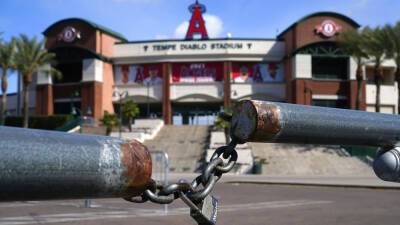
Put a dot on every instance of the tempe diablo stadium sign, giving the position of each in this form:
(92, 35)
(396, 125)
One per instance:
(197, 46)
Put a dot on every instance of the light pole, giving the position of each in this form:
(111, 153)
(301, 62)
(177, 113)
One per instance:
(148, 101)
(75, 112)
(120, 95)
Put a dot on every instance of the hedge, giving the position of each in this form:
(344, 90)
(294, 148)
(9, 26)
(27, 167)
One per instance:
(39, 122)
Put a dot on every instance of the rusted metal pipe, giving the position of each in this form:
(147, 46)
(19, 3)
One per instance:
(261, 121)
(44, 165)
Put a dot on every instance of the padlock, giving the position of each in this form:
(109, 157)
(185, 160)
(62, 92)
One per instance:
(204, 213)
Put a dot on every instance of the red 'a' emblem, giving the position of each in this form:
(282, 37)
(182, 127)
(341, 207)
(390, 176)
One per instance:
(197, 27)
(328, 28)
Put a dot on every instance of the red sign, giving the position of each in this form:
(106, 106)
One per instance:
(196, 72)
(257, 72)
(197, 25)
(139, 74)
(328, 28)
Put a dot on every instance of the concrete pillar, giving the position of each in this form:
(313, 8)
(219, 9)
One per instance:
(44, 92)
(166, 100)
(92, 87)
(227, 83)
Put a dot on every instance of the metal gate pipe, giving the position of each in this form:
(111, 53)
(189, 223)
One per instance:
(44, 165)
(262, 121)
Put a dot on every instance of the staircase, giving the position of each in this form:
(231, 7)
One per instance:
(184, 144)
(292, 159)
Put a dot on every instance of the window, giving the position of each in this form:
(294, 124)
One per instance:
(388, 75)
(330, 68)
(341, 103)
(71, 72)
(66, 107)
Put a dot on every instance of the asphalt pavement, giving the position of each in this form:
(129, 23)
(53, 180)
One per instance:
(240, 203)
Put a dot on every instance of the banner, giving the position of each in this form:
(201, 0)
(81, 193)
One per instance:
(196, 72)
(257, 72)
(138, 74)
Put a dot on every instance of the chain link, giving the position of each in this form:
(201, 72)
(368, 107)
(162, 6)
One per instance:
(160, 194)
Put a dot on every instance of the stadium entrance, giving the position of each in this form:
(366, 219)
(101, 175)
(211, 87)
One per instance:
(195, 113)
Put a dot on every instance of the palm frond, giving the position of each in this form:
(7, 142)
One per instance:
(31, 56)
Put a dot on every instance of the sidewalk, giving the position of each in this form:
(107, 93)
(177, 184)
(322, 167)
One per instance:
(333, 181)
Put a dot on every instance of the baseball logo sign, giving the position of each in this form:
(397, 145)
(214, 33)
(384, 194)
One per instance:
(69, 34)
(328, 28)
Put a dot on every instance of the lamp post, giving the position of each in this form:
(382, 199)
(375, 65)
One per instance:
(147, 99)
(120, 95)
(75, 112)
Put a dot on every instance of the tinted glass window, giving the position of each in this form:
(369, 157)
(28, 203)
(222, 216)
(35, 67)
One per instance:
(71, 72)
(330, 103)
(329, 68)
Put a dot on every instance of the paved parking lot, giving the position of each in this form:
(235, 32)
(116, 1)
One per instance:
(239, 204)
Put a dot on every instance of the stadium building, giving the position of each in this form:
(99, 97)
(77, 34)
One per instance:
(188, 81)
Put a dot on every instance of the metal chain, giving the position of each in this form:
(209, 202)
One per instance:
(211, 174)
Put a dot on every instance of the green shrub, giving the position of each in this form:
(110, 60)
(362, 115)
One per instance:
(39, 122)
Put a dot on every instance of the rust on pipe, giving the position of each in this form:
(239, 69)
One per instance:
(45, 165)
(255, 121)
(262, 121)
(137, 161)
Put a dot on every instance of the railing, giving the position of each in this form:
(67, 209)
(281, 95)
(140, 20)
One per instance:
(70, 125)
(160, 169)
(45, 165)
(258, 121)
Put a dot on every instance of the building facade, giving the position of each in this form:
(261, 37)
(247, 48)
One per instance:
(184, 81)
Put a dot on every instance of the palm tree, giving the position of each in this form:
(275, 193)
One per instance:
(375, 45)
(352, 42)
(30, 57)
(393, 51)
(130, 109)
(7, 52)
(109, 121)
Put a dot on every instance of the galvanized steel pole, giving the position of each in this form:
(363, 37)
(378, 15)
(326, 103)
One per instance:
(42, 165)
(261, 121)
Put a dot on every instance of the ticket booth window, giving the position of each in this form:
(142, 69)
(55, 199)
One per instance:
(340, 103)
(71, 72)
(330, 68)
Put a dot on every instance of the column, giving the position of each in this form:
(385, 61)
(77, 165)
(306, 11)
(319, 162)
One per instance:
(44, 92)
(227, 83)
(166, 101)
(92, 87)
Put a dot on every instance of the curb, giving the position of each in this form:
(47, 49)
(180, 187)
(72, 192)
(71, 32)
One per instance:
(316, 185)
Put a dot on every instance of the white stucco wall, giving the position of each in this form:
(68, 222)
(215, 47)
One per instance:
(198, 50)
(92, 70)
(302, 66)
(139, 92)
(389, 96)
(262, 91)
(197, 92)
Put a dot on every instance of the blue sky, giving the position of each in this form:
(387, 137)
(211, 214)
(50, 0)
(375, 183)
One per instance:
(160, 19)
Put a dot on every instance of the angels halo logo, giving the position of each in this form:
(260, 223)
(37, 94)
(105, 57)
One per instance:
(69, 34)
(328, 28)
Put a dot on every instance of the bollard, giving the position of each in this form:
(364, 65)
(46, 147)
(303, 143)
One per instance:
(45, 165)
(261, 121)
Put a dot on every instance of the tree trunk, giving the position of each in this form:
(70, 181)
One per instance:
(397, 77)
(130, 123)
(108, 130)
(378, 82)
(27, 81)
(227, 136)
(359, 76)
(3, 97)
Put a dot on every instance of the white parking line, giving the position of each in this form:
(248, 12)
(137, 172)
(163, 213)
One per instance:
(70, 217)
